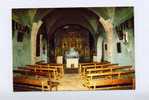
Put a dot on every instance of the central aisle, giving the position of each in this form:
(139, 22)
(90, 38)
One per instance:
(71, 82)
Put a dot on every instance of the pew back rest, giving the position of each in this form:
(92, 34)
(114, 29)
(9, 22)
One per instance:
(111, 82)
(111, 74)
(111, 68)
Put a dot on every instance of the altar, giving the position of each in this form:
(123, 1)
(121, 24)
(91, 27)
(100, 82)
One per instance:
(72, 62)
(72, 59)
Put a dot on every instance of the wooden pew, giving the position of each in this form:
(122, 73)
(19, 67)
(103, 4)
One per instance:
(37, 74)
(21, 71)
(91, 63)
(37, 71)
(111, 83)
(41, 84)
(108, 69)
(95, 66)
(109, 79)
(84, 64)
(57, 70)
(119, 74)
(49, 71)
(102, 65)
(59, 67)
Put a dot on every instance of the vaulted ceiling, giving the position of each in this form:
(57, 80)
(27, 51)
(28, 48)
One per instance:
(86, 17)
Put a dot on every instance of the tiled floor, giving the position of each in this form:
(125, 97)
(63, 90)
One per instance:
(71, 82)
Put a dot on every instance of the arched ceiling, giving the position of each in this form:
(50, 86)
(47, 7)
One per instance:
(63, 16)
(86, 17)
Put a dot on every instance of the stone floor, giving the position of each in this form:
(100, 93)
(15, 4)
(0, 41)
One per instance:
(71, 82)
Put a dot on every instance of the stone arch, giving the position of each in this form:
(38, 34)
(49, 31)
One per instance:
(34, 31)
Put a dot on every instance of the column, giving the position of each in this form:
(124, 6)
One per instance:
(35, 28)
(108, 26)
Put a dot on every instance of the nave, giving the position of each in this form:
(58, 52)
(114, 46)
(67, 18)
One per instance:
(73, 49)
(91, 76)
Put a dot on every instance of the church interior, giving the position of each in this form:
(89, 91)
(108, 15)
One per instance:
(73, 49)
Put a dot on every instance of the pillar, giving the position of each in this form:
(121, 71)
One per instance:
(108, 26)
(35, 28)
